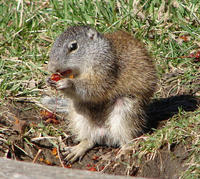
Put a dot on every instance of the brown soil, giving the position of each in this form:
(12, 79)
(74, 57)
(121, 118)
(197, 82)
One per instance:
(165, 164)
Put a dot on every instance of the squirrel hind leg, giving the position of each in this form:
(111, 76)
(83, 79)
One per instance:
(126, 120)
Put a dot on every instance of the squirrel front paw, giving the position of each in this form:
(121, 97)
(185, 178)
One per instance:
(61, 84)
(64, 84)
(50, 82)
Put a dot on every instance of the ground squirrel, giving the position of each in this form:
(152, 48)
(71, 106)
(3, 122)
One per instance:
(114, 78)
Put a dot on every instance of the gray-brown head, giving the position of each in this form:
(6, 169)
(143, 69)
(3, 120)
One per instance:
(79, 48)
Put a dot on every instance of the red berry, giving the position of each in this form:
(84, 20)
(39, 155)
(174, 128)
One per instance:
(102, 167)
(88, 165)
(197, 56)
(192, 55)
(93, 169)
(94, 157)
(55, 77)
(68, 166)
(47, 114)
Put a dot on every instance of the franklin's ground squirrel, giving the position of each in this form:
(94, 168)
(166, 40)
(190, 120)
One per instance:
(114, 79)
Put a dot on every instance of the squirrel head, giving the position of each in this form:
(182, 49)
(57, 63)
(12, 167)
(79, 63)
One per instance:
(80, 49)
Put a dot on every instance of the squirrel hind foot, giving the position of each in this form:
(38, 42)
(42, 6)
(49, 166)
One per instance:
(72, 154)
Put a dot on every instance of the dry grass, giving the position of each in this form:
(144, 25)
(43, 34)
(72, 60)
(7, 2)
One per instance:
(170, 30)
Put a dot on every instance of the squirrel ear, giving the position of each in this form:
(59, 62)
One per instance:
(92, 34)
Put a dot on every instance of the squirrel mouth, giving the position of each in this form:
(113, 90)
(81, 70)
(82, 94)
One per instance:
(68, 73)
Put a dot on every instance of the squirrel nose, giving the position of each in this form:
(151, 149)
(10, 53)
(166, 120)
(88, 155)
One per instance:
(52, 67)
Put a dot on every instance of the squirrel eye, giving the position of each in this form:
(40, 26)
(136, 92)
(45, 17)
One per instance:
(73, 46)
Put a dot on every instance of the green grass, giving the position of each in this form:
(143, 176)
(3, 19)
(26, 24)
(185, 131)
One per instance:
(28, 28)
(183, 128)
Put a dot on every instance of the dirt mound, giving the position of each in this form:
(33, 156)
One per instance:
(166, 162)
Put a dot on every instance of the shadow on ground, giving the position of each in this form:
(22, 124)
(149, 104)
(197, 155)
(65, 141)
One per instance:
(164, 108)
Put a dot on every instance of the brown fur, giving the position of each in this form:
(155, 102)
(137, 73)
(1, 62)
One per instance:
(116, 80)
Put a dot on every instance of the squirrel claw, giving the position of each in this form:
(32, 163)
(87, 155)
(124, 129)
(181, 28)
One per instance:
(50, 82)
(71, 154)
